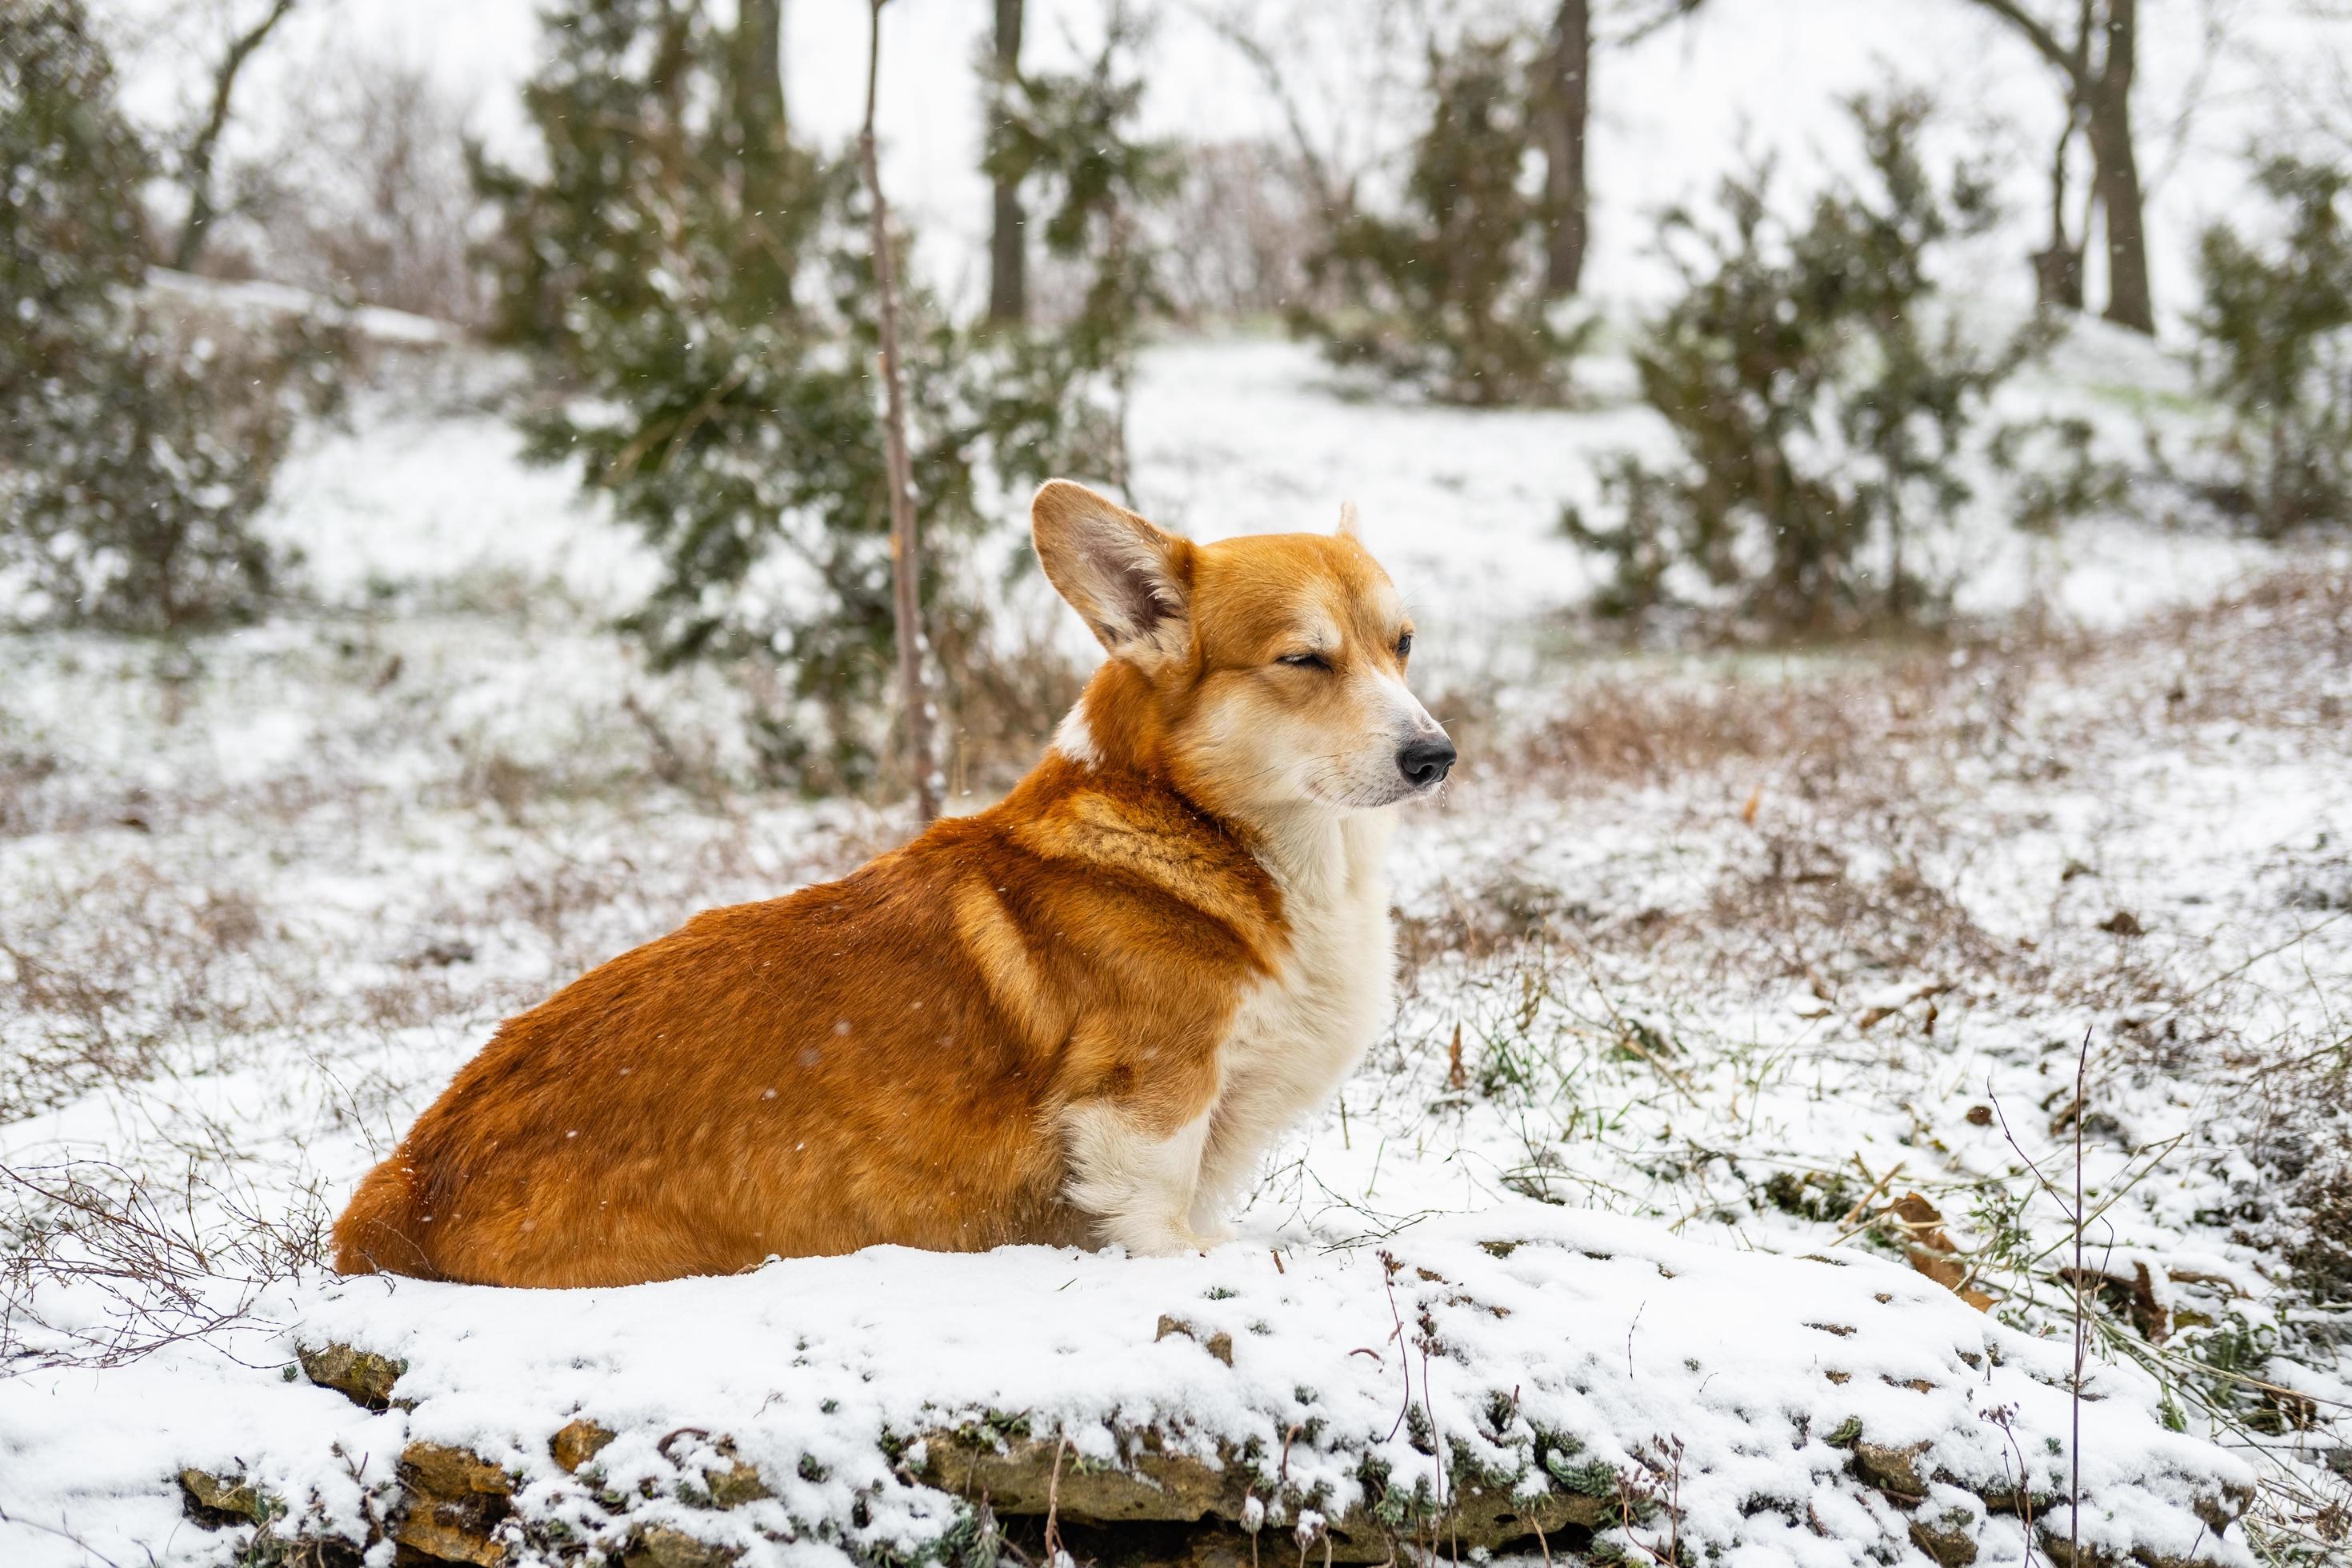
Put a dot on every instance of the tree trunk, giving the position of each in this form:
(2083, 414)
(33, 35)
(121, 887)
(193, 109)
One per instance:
(906, 563)
(756, 70)
(1008, 252)
(1563, 107)
(196, 168)
(2103, 96)
(2058, 267)
(2116, 173)
(762, 141)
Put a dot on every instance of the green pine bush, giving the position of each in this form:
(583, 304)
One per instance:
(1447, 293)
(717, 336)
(138, 437)
(1825, 405)
(2276, 347)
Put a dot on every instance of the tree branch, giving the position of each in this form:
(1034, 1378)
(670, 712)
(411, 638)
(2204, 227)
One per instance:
(197, 166)
(2045, 42)
(1666, 13)
(1235, 32)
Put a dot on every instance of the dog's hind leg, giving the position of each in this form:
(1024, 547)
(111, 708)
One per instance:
(1137, 1182)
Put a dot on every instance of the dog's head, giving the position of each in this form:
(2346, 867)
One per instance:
(1271, 666)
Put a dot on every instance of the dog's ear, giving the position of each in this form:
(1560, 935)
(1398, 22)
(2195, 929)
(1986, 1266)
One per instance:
(1131, 581)
(1348, 528)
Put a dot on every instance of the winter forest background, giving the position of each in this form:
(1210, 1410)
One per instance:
(1874, 478)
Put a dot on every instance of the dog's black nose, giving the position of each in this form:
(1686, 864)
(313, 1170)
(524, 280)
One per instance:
(1423, 763)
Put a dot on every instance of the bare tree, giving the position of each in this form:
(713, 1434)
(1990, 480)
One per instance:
(364, 189)
(1340, 130)
(760, 133)
(1008, 251)
(2097, 67)
(1563, 107)
(196, 165)
(905, 562)
(1236, 237)
(756, 82)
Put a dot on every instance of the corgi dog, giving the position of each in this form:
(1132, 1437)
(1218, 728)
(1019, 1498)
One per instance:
(1078, 1016)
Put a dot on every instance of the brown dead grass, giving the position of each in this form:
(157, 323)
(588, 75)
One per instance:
(1006, 705)
(1822, 783)
(1620, 729)
(1822, 760)
(102, 979)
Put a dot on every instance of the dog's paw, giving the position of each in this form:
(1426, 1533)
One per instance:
(1207, 1236)
(1169, 1239)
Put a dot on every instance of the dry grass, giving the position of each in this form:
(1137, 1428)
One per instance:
(1641, 728)
(1841, 767)
(102, 979)
(1006, 699)
(1821, 766)
(144, 1263)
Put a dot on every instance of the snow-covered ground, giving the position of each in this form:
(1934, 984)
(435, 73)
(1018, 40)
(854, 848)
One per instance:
(1782, 953)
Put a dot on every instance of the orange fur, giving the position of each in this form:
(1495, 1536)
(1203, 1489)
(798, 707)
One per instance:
(894, 1058)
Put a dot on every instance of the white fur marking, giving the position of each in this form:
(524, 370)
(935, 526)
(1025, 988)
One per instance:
(1301, 1033)
(1074, 740)
(1411, 719)
(1140, 1188)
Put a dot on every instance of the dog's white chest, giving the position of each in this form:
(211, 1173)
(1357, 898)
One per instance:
(1303, 1030)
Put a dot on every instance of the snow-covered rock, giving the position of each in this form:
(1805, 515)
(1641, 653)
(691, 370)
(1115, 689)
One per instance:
(1596, 1380)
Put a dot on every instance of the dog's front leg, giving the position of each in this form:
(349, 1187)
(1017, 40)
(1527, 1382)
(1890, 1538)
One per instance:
(1138, 1174)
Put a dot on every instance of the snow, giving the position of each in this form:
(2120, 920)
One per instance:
(307, 866)
(255, 299)
(1598, 1333)
(292, 875)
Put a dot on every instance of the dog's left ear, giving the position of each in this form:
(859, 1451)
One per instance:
(1347, 529)
(1131, 581)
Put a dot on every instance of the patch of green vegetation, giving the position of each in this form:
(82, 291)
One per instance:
(1823, 1197)
(2139, 399)
(1595, 1478)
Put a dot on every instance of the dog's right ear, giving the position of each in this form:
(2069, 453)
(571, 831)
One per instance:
(1131, 581)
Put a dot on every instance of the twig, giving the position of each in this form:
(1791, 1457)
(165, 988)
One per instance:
(1390, 1265)
(2074, 1483)
(8, 1518)
(1863, 1203)
(2002, 1415)
(906, 563)
(1671, 1557)
(1334, 200)
(1054, 1553)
